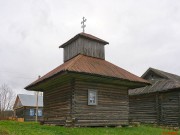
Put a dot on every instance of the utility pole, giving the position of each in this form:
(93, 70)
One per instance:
(37, 94)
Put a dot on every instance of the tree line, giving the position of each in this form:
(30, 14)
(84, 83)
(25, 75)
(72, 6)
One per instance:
(7, 98)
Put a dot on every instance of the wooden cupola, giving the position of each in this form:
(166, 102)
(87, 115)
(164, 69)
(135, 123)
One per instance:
(85, 44)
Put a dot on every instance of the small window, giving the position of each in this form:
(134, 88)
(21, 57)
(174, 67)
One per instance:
(39, 112)
(31, 113)
(152, 77)
(92, 97)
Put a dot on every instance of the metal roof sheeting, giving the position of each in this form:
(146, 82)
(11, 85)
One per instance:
(30, 100)
(91, 65)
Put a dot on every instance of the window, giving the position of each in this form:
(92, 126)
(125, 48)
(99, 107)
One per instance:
(39, 112)
(92, 97)
(31, 112)
(152, 77)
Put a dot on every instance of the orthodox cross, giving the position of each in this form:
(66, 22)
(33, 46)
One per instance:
(83, 25)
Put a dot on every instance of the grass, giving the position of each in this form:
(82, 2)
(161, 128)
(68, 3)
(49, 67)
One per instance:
(29, 128)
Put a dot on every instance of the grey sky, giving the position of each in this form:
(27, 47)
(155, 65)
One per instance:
(141, 33)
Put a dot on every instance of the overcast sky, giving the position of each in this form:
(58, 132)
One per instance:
(141, 33)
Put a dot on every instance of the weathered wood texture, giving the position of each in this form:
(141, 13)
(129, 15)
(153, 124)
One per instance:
(66, 103)
(57, 103)
(84, 46)
(143, 108)
(169, 107)
(24, 112)
(112, 108)
(161, 108)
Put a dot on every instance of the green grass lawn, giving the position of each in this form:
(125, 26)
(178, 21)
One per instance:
(27, 128)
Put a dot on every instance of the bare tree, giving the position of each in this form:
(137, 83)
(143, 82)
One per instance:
(7, 97)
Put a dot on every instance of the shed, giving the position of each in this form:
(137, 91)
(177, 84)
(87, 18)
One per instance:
(25, 107)
(86, 90)
(158, 103)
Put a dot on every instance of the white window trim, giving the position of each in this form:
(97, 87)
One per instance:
(40, 112)
(31, 112)
(96, 97)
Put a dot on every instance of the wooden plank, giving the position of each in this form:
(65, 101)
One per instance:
(86, 47)
(57, 102)
(143, 108)
(162, 108)
(112, 105)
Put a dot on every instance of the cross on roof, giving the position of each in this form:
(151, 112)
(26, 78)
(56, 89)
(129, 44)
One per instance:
(83, 25)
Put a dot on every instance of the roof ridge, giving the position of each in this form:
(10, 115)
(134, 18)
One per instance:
(24, 94)
(159, 72)
(92, 36)
(28, 95)
(165, 73)
(85, 35)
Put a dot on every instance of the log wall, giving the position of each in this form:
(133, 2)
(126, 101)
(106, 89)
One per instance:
(169, 108)
(160, 108)
(112, 108)
(143, 108)
(57, 103)
(66, 103)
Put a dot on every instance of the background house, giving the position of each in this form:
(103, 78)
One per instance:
(25, 107)
(86, 90)
(158, 103)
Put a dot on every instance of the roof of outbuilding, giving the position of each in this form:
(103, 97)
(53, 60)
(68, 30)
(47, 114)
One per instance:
(163, 74)
(91, 65)
(30, 100)
(167, 82)
(84, 35)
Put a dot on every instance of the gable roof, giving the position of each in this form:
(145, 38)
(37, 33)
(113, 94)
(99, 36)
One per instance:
(94, 66)
(84, 35)
(162, 74)
(29, 100)
(168, 82)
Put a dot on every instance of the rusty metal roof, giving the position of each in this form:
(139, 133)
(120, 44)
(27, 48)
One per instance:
(91, 65)
(84, 35)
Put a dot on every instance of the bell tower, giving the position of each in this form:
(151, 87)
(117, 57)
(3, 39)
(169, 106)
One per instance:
(85, 44)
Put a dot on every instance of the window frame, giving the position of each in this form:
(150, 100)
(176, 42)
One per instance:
(96, 96)
(31, 111)
(40, 112)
